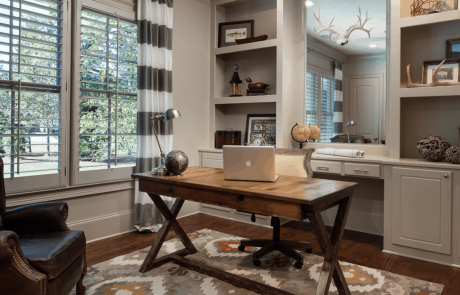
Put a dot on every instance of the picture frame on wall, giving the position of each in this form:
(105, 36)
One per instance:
(448, 72)
(230, 31)
(453, 48)
(262, 125)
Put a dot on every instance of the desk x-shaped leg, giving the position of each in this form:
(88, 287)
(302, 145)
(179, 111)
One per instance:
(330, 247)
(170, 216)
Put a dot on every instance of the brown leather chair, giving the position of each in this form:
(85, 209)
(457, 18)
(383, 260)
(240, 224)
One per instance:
(39, 254)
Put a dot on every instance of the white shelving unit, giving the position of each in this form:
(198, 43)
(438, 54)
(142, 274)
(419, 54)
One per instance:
(413, 41)
(279, 61)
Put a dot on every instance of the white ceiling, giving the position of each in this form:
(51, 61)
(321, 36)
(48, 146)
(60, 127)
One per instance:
(345, 13)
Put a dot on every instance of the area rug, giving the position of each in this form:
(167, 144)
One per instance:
(120, 276)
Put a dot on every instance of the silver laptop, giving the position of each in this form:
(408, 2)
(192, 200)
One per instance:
(249, 163)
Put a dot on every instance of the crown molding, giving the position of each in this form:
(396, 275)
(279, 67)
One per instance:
(325, 49)
(366, 57)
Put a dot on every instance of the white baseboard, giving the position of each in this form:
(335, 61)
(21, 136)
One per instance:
(107, 226)
(423, 259)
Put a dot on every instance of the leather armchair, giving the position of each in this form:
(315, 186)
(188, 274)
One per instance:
(39, 254)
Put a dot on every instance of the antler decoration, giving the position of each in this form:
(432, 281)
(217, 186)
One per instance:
(434, 79)
(343, 40)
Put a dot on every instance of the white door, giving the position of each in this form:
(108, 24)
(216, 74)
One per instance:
(422, 205)
(365, 107)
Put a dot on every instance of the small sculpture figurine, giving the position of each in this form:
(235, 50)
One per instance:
(258, 85)
(235, 83)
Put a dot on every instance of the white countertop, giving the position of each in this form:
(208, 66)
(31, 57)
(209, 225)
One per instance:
(384, 160)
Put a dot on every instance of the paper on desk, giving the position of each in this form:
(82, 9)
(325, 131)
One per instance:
(341, 152)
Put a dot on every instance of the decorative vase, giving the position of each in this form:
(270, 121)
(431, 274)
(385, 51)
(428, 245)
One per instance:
(433, 148)
(453, 155)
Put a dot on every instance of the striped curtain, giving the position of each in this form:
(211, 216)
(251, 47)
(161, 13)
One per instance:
(338, 98)
(155, 22)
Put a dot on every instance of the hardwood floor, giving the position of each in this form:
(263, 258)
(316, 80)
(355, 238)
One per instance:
(359, 248)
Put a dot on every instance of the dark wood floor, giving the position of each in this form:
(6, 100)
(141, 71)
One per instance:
(359, 248)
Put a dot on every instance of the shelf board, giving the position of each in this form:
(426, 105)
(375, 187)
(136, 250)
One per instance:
(429, 19)
(245, 99)
(246, 47)
(430, 91)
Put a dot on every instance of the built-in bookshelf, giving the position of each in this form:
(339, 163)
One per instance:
(273, 61)
(418, 112)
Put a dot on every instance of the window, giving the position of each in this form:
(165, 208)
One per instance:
(31, 94)
(107, 96)
(320, 95)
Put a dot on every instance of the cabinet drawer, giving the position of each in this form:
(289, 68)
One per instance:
(326, 167)
(212, 160)
(362, 170)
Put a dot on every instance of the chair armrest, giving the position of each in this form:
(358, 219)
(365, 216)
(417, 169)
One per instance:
(37, 218)
(17, 276)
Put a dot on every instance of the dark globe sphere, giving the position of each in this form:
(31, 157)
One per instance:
(176, 162)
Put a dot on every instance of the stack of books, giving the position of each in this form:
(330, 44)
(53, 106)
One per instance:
(256, 92)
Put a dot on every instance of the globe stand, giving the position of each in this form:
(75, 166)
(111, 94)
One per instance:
(300, 142)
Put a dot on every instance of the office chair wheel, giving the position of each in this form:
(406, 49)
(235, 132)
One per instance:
(257, 262)
(298, 265)
(241, 248)
(309, 251)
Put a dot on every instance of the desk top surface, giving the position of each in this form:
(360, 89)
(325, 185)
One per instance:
(287, 188)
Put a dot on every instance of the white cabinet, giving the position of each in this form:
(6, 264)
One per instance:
(215, 160)
(422, 209)
(211, 160)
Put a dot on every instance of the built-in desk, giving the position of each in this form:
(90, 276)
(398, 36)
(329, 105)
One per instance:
(413, 203)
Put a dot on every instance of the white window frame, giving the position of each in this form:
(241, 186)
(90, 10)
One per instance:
(320, 73)
(38, 182)
(102, 175)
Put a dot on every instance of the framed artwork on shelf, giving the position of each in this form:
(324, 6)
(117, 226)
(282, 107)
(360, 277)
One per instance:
(261, 125)
(447, 73)
(230, 31)
(453, 48)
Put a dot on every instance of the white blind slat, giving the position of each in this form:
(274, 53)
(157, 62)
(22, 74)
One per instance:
(31, 38)
(108, 94)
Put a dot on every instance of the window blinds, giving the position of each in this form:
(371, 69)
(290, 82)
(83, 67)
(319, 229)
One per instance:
(312, 99)
(108, 101)
(327, 109)
(30, 86)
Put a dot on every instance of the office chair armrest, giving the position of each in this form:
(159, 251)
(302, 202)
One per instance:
(18, 277)
(37, 218)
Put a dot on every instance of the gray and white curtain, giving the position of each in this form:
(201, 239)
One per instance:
(338, 98)
(155, 23)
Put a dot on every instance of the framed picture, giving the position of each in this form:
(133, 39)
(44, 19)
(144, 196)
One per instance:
(453, 48)
(448, 72)
(228, 32)
(264, 126)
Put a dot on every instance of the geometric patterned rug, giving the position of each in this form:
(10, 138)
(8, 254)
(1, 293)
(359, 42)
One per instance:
(121, 276)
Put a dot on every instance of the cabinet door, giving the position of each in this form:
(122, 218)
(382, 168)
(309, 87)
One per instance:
(212, 160)
(422, 204)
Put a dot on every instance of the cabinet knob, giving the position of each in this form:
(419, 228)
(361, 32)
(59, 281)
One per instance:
(446, 176)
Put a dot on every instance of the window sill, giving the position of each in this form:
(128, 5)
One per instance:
(68, 192)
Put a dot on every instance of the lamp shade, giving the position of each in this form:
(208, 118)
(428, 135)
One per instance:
(351, 123)
(171, 114)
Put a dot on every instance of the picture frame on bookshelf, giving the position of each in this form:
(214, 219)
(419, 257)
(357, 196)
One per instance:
(453, 48)
(447, 73)
(262, 125)
(230, 31)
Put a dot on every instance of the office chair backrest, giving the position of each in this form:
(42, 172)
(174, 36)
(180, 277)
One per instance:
(293, 162)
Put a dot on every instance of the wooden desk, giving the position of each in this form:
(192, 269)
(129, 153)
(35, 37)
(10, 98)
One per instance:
(290, 197)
